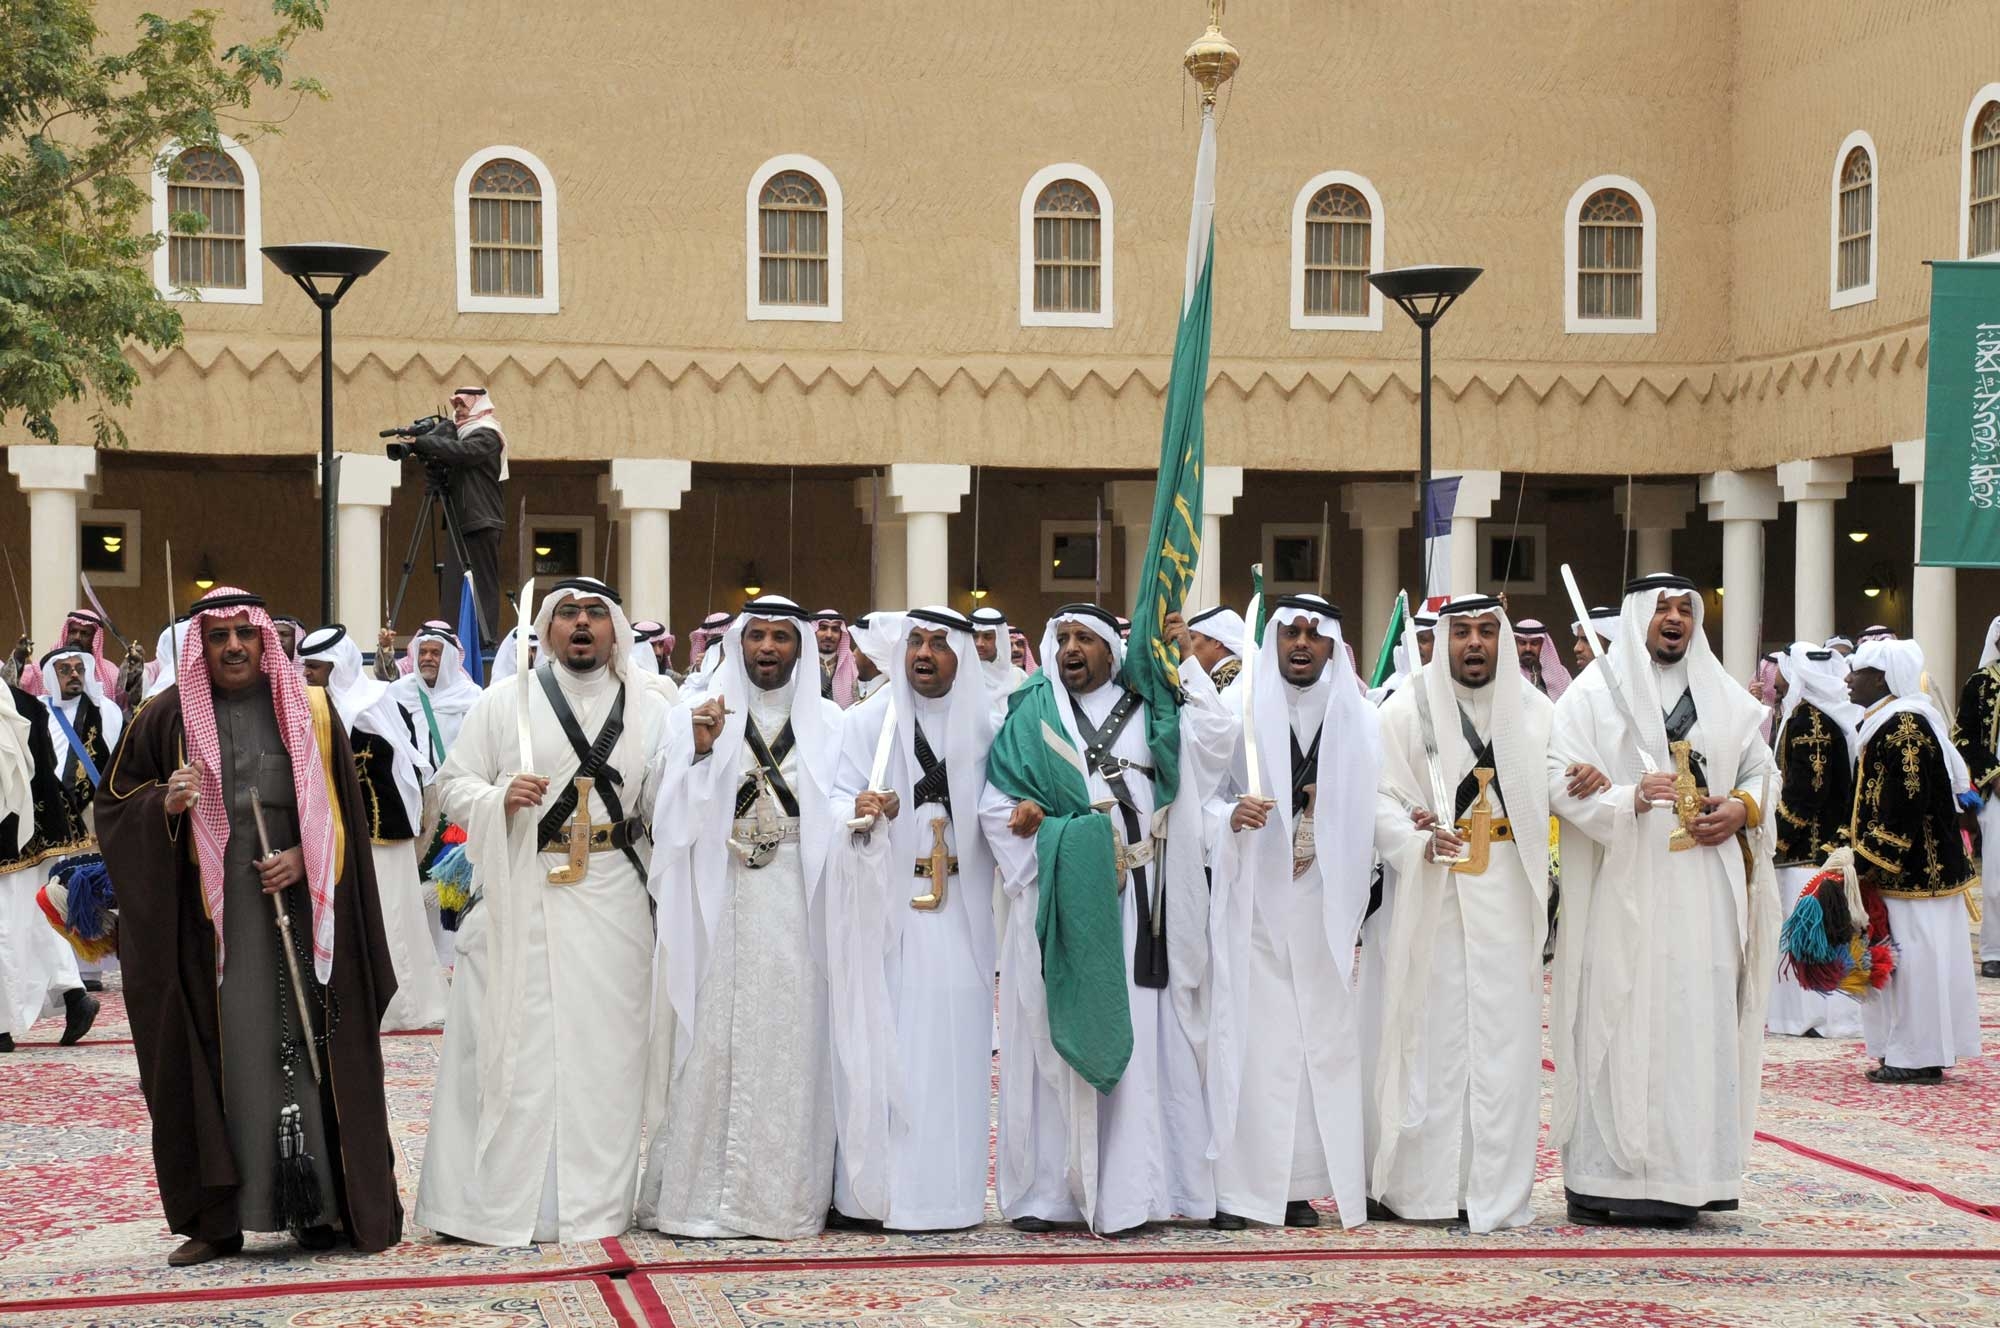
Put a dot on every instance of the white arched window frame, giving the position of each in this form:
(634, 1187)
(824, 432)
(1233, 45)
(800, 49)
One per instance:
(1980, 100)
(252, 290)
(1106, 232)
(1649, 264)
(550, 300)
(1370, 321)
(755, 308)
(1864, 292)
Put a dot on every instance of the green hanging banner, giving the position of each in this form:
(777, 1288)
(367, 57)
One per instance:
(1961, 521)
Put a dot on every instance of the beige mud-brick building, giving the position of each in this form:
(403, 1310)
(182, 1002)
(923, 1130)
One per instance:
(864, 302)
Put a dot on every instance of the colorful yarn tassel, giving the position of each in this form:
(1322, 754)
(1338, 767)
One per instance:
(451, 876)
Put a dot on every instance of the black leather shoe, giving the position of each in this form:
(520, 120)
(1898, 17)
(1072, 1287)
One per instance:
(195, 1250)
(1033, 1225)
(1896, 1074)
(1227, 1221)
(839, 1221)
(1990, 969)
(93, 984)
(82, 1013)
(1301, 1213)
(6, 1042)
(319, 1237)
(1381, 1212)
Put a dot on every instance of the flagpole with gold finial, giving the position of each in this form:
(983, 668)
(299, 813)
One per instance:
(1212, 59)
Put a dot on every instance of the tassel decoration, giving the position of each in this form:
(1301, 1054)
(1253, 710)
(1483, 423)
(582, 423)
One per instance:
(451, 876)
(295, 1198)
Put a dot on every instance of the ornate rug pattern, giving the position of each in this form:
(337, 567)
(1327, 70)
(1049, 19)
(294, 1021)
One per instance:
(1545, 1293)
(1891, 1196)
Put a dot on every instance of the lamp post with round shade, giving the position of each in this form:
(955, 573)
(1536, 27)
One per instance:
(324, 272)
(1424, 293)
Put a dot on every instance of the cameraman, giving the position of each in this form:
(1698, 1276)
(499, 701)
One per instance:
(471, 451)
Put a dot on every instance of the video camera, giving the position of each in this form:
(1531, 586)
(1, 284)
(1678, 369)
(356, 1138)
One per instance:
(429, 424)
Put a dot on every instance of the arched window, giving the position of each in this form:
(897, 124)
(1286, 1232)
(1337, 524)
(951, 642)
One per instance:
(1610, 247)
(506, 206)
(1980, 230)
(1065, 249)
(205, 205)
(794, 241)
(1854, 214)
(505, 210)
(1336, 242)
(791, 245)
(1069, 234)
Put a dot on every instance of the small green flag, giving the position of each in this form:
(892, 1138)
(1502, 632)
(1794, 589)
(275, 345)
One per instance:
(1385, 658)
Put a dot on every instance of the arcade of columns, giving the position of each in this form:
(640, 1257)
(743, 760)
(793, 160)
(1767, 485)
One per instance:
(911, 536)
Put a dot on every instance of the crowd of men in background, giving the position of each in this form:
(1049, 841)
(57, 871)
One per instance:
(1280, 941)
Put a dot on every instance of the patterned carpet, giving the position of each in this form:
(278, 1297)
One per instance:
(1855, 1195)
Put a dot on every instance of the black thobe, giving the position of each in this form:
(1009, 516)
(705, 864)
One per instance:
(179, 1028)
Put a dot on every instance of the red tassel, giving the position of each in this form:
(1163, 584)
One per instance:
(1881, 964)
(1819, 977)
(454, 834)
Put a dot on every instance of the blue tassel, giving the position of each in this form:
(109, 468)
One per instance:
(452, 867)
(1804, 937)
(87, 886)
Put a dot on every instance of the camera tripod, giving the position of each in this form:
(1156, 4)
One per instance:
(437, 494)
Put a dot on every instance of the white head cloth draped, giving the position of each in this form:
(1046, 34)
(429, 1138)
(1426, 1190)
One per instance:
(1989, 652)
(1902, 666)
(693, 814)
(1349, 769)
(1819, 675)
(363, 702)
(643, 636)
(999, 671)
(1101, 624)
(17, 764)
(875, 635)
(166, 659)
(1223, 624)
(503, 654)
(210, 814)
(450, 696)
(1613, 889)
(1517, 718)
(113, 718)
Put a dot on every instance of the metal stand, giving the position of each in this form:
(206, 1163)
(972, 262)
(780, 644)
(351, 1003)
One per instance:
(438, 495)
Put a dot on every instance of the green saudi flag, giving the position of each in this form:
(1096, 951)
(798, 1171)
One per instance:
(1152, 669)
(1961, 518)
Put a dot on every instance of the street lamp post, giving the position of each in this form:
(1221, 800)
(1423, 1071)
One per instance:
(309, 265)
(1424, 293)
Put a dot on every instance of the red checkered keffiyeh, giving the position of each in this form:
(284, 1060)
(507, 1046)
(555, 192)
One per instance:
(210, 813)
(107, 672)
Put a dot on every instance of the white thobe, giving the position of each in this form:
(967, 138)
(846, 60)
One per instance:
(1663, 963)
(1989, 870)
(745, 1147)
(1458, 1103)
(545, 1143)
(1928, 1015)
(1152, 1129)
(937, 968)
(36, 964)
(1298, 1128)
(421, 993)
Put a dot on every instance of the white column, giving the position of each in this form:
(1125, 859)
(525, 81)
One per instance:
(890, 542)
(1933, 590)
(927, 493)
(1814, 485)
(54, 478)
(1477, 490)
(1742, 501)
(1128, 504)
(367, 486)
(1657, 511)
(647, 489)
(1380, 512)
(1221, 486)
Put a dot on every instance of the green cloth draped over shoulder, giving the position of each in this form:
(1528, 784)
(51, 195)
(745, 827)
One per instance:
(1078, 922)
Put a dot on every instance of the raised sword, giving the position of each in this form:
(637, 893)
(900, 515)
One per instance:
(1442, 804)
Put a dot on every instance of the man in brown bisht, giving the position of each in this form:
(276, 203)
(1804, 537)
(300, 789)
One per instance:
(231, 803)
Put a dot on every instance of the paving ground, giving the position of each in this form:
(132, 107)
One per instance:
(1862, 1205)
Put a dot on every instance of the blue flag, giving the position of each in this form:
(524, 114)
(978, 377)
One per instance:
(468, 633)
